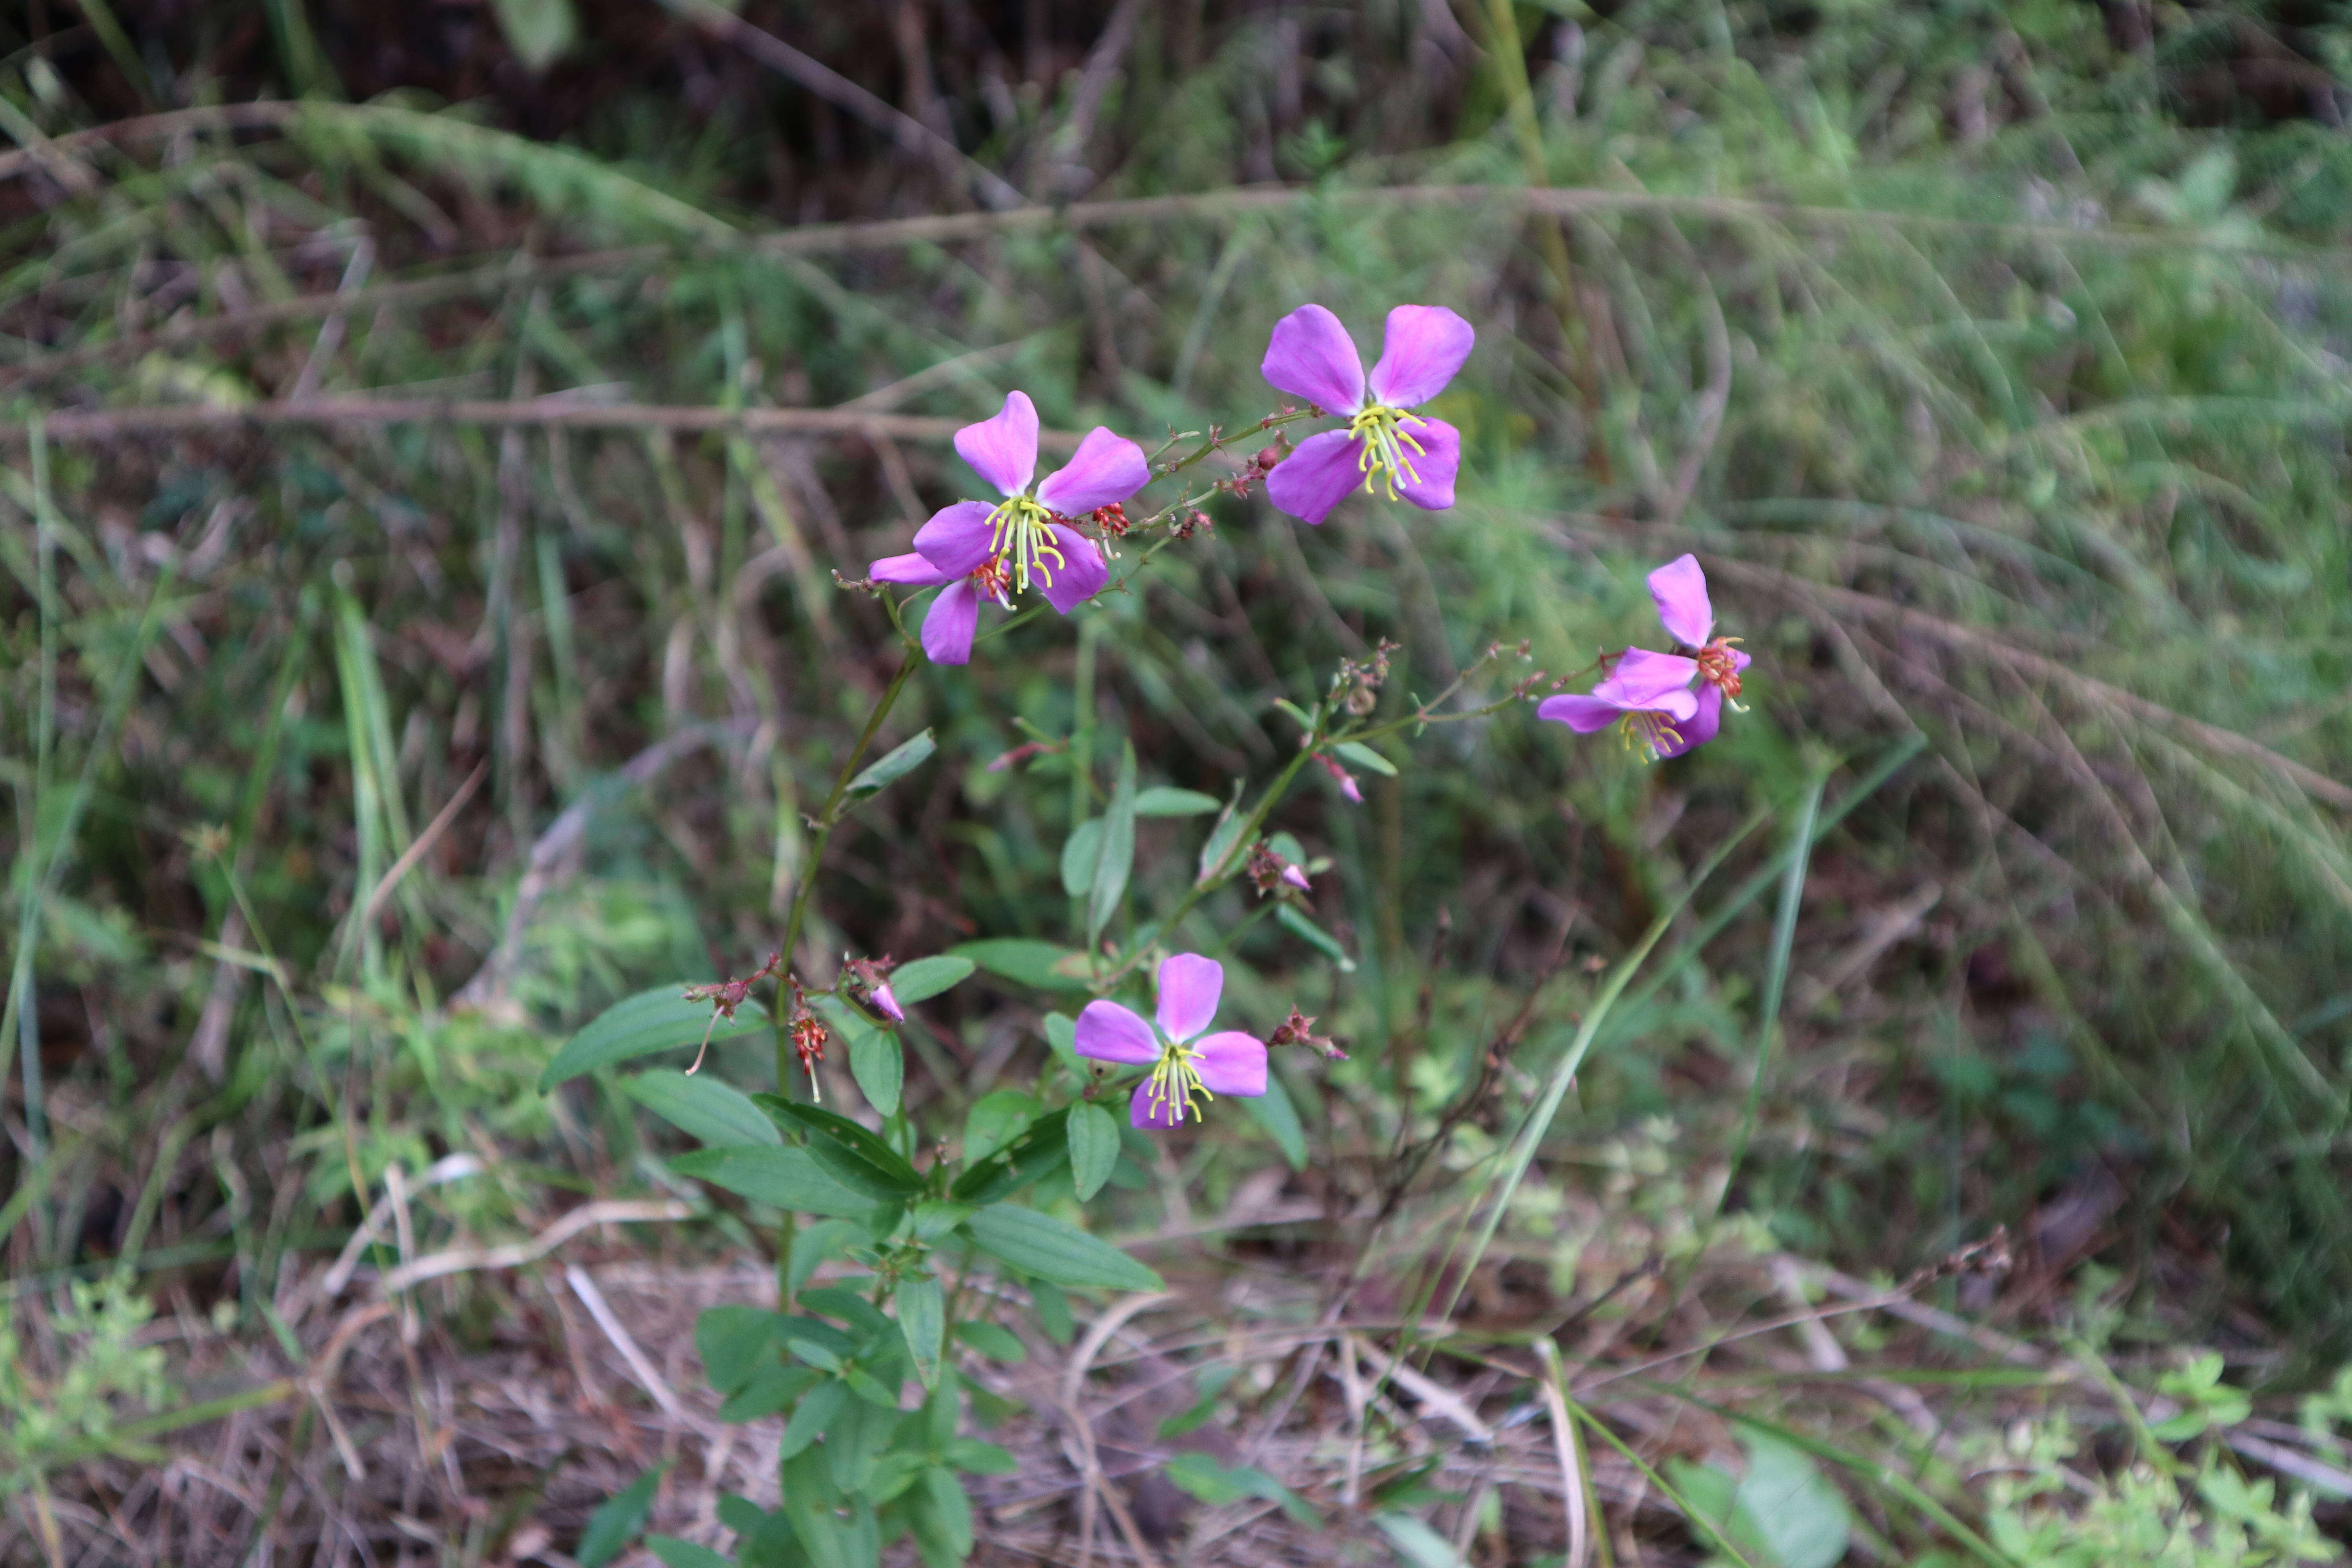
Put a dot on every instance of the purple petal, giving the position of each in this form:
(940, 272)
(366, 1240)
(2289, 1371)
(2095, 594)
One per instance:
(1431, 488)
(912, 570)
(1700, 727)
(948, 623)
(1152, 1115)
(1003, 451)
(1312, 356)
(1642, 679)
(1739, 660)
(1081, 576)
(957, 538)
(887, 1004)
(1580, 713)
(1680, 589)
(1106, 469)
(1110, 1033)
(1298, 879)
(1189, 987)
(1231, 1062)
(1425, 347)
(1317, 476)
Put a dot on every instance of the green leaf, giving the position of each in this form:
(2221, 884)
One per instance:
(923, 1319)
(1215, 1485)
(730, 1340)
(935, 1219)
(540, 31)
(1363, 756)
(677, 1553)
(1041, 1245)
(1222, 839)
(816, 1412)
(1029, 962)
(1314, 935)
(656, 1020)
(1785, 1505)
(950, 1511)
(994, 1121)
(1081, 852)
(979, 1458)
(1062, 1035)
(878, 1062)
(1117, 858)
(1274, 1111)
(769, 1391)
(780, 1178)
(1039, 1148)
(1094, 1147)
(1297, 715)
(994, 1340)
(1417, 1542)
(855, 1157)
(1161, 801)
(920, 979)
(703, 1107)
(616, 1521)
(892, 767)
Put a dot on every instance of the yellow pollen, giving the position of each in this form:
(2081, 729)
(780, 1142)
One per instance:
(1379, 430)
(1174, 1081)
(1018, 532)
(1655, 732)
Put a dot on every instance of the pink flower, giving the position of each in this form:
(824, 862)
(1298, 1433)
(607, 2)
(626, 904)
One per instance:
(1648, 692)
(1679, 590)
(1342, 777)
(1414, 456)
(983, 552)
(1183, 1061)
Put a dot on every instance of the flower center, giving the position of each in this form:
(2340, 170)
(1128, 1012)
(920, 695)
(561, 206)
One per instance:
(1717, 667)
(993, 579)
(1379, 431)
(1174, 1081)
(1018, 533)
(1653, 729)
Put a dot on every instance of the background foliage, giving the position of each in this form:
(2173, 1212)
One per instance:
(1992, 357)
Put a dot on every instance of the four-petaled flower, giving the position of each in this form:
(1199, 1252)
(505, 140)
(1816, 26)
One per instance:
(1385, 447)
(1650, 692)
(983, 552)
(1184, 1062)
(1679, 589)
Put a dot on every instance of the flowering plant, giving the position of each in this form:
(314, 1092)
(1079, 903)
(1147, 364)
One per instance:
(900, 1205)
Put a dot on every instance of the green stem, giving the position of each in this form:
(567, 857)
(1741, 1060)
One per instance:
(811, 863)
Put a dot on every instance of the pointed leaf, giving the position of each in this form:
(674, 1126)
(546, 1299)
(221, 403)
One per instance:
(657, 1020)
(616, 1521)
(1118, 857)
(920, 979)
(897, 764)
(1041, 1245)
(703, 1107)
(1222, 839)
(780, 1178)
(1081, 853)
(1274, 1111)
(1094, 1147)
(1363, 756)
(1161, 801)
(923, 1319)
(878, 1062)
(1030, 963)
(1041, 1148)
(1315, 936)
(855, 1157)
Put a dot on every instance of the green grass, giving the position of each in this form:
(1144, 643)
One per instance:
(2004, 400)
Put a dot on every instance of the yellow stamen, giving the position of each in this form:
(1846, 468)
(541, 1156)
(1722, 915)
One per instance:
(1018, 533)
(1174, 1081)
(1655, 732)
(1379, 430)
